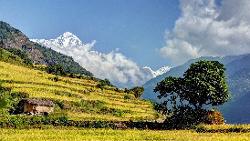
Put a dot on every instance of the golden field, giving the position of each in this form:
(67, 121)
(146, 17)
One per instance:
(39, 84)
(115, 135)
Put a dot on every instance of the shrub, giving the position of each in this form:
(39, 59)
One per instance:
(138, 91)
(9, 101)
(103, 83)
(118, 90)
(17, 121)
(56, 69)
(214, 117)
(185, 117)
(60, 104)
(118, 112)
(126, 90)
(55, 79)
(126, 96)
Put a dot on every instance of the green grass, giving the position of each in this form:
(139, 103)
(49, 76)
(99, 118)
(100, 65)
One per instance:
(38, 84)
(115, 135)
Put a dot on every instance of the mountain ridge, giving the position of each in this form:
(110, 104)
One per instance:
(157, 72)
(11, 37)
(67, 39)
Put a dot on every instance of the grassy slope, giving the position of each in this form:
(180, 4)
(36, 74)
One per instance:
(38, 84)
(114, 135)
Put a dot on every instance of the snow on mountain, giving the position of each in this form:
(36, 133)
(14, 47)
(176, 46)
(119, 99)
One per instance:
(158, 72)
(125, 72)
(66, 40)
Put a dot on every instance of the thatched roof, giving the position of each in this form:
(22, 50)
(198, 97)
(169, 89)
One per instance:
(39, 102)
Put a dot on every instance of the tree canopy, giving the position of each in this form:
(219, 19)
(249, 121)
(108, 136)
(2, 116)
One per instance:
(203, 84)
(138, 91)
(56, 69)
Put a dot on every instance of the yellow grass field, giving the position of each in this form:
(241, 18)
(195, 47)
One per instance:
(116, 135)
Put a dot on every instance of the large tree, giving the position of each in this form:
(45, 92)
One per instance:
(202, 85)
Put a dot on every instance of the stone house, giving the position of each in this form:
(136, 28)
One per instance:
(37, 106)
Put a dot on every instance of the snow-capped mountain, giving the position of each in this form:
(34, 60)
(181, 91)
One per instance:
(65, 40)
(158, 72)
(125, 72)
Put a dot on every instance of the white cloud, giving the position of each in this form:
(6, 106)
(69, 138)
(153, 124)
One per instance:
(113, 65)
(206, 29)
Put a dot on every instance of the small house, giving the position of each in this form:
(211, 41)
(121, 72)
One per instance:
(37, 106)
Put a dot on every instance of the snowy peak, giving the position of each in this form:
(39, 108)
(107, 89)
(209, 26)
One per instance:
(162, 70)
(158, 72)
(68, 34)
(65, 40)
(68, 40)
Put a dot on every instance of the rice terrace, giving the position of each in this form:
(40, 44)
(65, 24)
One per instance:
(163, 70)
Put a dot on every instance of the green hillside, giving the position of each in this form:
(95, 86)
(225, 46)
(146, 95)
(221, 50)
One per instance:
(6, 56)
(79, 99)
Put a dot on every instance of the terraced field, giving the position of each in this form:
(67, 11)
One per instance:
(89, 102)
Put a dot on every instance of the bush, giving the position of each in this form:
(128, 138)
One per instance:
(118, 90)
(18, 121)
(56, 70)
(90, 106)
(9, 101)
(103, 83)
(138, 91)
(185, 117)
(55, 79)
(23, 121)
(126, 96)
(126, 90)
(214, 117)
(60, 104)
(118, 112)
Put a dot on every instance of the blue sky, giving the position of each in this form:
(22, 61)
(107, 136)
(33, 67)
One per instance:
(136, 27)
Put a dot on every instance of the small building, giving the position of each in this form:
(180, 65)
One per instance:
(37, 106)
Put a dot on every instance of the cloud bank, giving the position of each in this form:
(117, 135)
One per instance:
(115, 66)
(208, 29)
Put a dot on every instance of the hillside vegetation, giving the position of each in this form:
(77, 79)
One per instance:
(79, 99)
(6, 56)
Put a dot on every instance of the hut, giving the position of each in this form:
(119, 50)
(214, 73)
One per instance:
(37, 106)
